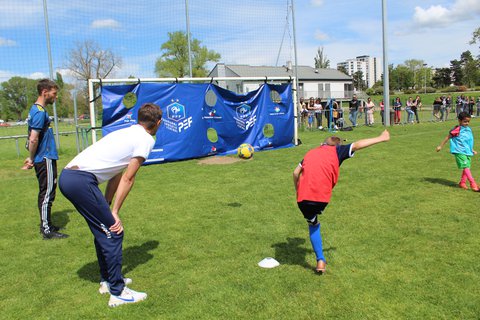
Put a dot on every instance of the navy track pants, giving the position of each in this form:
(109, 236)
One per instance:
(81, 188)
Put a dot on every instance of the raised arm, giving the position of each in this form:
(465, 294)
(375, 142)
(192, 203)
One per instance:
(364, 143)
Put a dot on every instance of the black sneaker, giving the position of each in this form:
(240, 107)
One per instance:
(52, 228)
(53, 235)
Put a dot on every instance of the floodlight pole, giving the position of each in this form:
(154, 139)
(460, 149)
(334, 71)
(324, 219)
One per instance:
(386, 83)
(425, 79)
(296, 60)
(49, 50)
(188, 39)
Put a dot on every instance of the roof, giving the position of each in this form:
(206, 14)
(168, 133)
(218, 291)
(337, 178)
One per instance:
(304, 72)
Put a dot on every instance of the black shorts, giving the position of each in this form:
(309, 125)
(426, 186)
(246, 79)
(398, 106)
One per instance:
(310, 209)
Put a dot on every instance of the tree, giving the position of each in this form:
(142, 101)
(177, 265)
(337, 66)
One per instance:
(342, 69)
(321, 61)
(358, 81)
(89, 61)
(470, 69)
(442, 77)
(174, 60)
(415, 66)
(457, 72)
(17, 94)
(475, 36)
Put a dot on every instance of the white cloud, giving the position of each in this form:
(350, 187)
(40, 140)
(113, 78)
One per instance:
(7, 42)
(437, 16)
(5, 75)
(105, 24)
(37, 75)
(20, 13)
(316, 3)
(319, 35)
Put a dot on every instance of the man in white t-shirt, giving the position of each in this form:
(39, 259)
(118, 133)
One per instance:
(115, 158)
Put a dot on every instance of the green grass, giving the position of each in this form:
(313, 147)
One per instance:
(400, 238)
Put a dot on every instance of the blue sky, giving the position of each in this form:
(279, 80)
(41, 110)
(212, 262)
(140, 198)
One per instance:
(244, 32)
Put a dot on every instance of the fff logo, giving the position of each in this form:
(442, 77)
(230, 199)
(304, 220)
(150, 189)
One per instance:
(243, 111)
(176, 111)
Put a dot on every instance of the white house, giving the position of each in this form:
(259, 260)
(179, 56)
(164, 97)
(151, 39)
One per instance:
(317, 83)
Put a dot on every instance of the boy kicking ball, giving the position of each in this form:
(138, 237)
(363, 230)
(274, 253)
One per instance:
(316, 176)
(461, 146)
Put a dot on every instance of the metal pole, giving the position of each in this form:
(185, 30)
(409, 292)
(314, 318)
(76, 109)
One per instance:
(49, 50)
(75, 114)
(91, 95)
(386, 83)
(188, 39)
(295, 48)
(425, 80)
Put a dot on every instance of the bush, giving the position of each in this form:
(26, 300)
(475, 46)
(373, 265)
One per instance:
(408, 91)
(450, 89)
(462, 88)
(427, 90)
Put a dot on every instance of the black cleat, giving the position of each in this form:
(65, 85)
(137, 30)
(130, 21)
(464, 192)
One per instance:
(52, 228)
(53, 235)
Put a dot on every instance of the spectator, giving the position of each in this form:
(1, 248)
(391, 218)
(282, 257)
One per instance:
(311, 114)
(370, 106)
(353, 109)
(448, 106)
(417, 105)
(318, 112)
(437, 102)
(397, 107)
(478, 106)
(471, 105)
(303, 112)
(382, 111)
(408, 108)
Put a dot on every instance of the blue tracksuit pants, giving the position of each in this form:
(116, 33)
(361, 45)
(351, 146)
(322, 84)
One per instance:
(81, 188)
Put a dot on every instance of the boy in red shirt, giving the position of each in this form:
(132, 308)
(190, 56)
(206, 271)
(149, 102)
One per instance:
(316, 176)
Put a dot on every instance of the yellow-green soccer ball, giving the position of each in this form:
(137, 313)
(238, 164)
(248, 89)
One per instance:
(245, 151)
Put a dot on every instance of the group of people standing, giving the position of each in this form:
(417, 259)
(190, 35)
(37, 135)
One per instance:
(314, 110)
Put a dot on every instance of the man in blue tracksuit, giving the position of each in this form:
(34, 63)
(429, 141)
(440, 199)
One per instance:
(43, 156)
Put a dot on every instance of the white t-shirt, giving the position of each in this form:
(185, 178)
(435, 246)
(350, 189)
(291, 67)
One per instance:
(111, 154)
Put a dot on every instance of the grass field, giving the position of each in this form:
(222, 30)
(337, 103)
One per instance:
(401, 239)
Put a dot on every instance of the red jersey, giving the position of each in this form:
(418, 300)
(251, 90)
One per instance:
(320, 172)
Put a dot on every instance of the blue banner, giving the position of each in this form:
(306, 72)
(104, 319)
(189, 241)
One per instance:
(204, 119)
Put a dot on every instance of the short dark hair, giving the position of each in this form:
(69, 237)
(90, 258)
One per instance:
(149, 114)
(463, 115)
(46, 84)
(333, 141)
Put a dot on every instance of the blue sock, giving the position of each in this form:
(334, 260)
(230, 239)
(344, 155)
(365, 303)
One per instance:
(316, 240)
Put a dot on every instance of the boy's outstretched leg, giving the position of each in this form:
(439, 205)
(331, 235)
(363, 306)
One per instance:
(316, 240)
(470, 178)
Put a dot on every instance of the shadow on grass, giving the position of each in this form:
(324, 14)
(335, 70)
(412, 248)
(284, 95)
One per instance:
(293, 252)
(444, 182)
(132, 258)
(61, 218)
(234, 204)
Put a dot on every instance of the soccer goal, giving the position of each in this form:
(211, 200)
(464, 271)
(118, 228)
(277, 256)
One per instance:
(201, 116)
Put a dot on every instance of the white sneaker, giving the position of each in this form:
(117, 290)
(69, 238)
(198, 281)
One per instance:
(105, 287)
(127, 296)
(320, 128)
